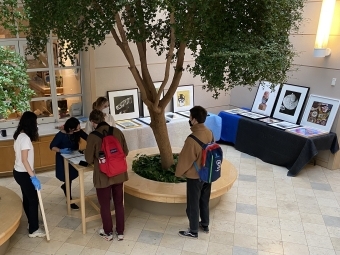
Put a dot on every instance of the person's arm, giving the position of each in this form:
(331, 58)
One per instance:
(24, 160)
(90, 149)
(186, 158)
(54, 145)
(124, 145)
(83, 134)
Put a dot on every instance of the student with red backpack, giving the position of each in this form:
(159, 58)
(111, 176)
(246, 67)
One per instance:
(199, 147)
(107, 149)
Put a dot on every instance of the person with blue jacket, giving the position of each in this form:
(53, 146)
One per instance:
(66, 141)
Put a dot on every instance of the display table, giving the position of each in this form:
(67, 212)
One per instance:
(278, 147)
(229, 126)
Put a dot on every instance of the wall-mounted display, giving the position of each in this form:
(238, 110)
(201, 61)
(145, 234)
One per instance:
(183, 99)
(269, 120)
(320, 112)
(157, 85)
(306, 131)
(128, 124)
(123, 104)
(252, 115)
(265, 98)
(284, 125)
(290, 102)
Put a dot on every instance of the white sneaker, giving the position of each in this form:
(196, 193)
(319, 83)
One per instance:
(38, 233)
(102, 234)
(119, 237)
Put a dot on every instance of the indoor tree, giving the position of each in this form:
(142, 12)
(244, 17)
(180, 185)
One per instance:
(234, 43)
(15, 93)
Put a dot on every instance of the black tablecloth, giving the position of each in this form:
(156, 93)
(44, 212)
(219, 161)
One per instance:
(281, 148)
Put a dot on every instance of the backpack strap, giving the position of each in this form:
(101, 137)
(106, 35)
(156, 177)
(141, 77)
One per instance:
(105, 133)
(100, 135)
(197, 140)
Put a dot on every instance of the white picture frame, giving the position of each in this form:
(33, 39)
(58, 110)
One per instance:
(265, 98)
(128, 124)
(123, 104)
(146, 112)
(290, 102)
(252, 115)
(284, 125)
(317, 116)
(183, 99)
(171, 116)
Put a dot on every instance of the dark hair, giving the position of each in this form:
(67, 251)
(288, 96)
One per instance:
(99, 103)
(198, 113)
(97, 116)
(28, 125)
(71, 124)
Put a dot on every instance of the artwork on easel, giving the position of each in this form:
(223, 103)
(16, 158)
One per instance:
(183, 99)
(290, 103)
(265, 98)
(320, 112)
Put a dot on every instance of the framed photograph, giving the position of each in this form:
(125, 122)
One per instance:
(320, 112)
(183, 99)
(147, 120)
(290, 103)
(123, 104)
(157, 85)
(284, 125)
(265, 98)
(235, 111)
(128, 124)
(185, 114)
(269, 120)
(171, 116)
(306, 131)
(252, 115)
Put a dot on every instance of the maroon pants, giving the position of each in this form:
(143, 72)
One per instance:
(104, 197)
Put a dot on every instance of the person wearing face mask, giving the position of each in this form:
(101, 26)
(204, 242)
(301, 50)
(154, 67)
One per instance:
(101, 104)
(64, 142)
(198, 192)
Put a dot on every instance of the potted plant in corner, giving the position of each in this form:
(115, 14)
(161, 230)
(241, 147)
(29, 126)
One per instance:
(15, 93)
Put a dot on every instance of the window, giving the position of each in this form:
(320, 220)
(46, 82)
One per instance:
(58, 89)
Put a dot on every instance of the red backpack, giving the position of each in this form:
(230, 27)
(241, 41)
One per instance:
(112, 159)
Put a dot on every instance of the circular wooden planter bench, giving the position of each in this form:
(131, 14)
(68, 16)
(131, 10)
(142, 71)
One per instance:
(10, 214)
(169, 198)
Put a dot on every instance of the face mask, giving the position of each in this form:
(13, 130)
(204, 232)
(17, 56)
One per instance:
(106, 110)
(190, 123)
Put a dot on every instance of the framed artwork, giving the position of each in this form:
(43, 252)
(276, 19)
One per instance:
(147, 120)
(171, 116)
(123, 104)
(128, 124)
(265, 98)
(157, 85)
(284, 125)
(306, 131)
(269, 120)
(183, 99)
(252, 115)
(290, 102)
(185, 114)
(235, 111)
(320, 112)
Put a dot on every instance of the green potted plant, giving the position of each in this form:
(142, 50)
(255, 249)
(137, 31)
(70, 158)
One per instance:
(15, 93)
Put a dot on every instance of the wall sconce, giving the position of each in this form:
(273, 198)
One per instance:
(324, 28)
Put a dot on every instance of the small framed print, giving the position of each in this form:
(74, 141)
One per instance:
(235, 111)
(306, 131)
(265, 98)
(284, 125)
(269, 120)
(124, 104)
(147, 120)
(290, 102)
(157, 85)
(252, 115)
(128, 124)
(171, 116)
(185, 114)
(320, 112)
(183, 99)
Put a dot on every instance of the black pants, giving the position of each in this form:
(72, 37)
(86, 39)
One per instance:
(29, 199)
(198, 196)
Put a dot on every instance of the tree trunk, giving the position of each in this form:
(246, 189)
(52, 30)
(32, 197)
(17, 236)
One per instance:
(160, 131)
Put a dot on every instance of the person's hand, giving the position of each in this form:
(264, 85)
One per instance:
(65, 151)
(36, 182)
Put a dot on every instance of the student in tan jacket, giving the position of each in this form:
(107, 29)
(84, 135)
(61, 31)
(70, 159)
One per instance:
(106, 185)
(198, 192)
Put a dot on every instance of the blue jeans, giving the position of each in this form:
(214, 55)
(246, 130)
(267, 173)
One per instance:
(198, 196)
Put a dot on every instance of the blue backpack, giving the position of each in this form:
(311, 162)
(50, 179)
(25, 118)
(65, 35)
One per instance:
(212, 157)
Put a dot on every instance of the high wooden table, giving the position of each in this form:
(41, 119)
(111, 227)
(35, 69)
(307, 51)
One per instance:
(81, 170)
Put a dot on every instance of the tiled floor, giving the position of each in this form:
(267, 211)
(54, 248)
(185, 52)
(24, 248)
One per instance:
(265, 213)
